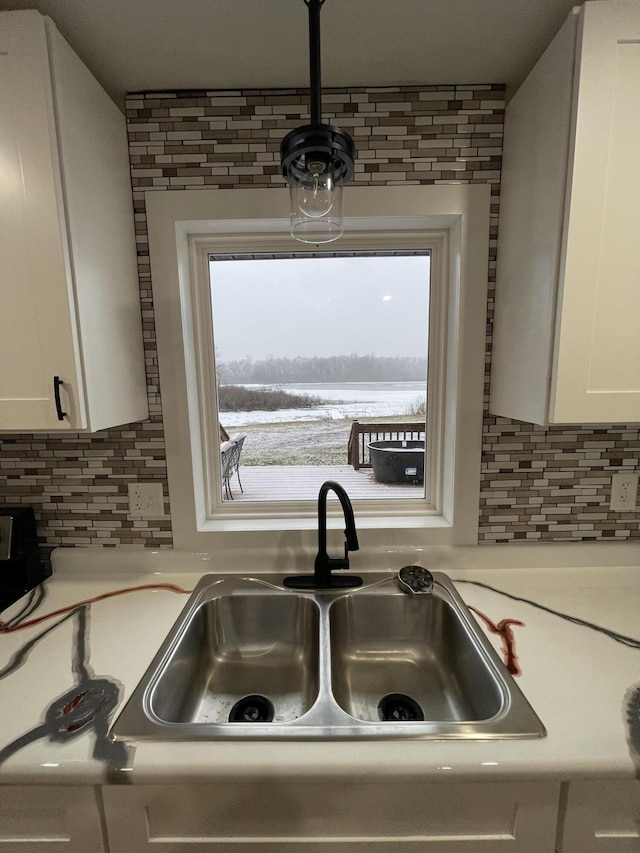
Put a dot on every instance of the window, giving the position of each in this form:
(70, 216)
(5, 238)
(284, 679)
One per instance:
(316, 358)
(447, 223)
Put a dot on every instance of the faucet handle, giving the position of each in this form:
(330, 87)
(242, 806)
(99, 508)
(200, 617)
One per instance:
(339, 562)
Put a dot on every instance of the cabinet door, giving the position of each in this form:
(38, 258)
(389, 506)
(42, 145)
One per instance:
(534, 177)
(333, 817)
(597, 350)
(602, 817)
(37, 315)
(41, 819)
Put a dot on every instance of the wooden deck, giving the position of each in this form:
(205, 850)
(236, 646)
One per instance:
(302, 482)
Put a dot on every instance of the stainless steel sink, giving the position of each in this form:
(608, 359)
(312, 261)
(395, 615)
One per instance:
(248, 658)
(408, 646)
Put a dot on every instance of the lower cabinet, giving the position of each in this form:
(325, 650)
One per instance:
(602, 817)
(333, 816)
(63, 819)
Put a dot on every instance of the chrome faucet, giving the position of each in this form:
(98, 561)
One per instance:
(322, 577)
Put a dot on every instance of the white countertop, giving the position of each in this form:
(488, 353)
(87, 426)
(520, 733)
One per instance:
(575, 679)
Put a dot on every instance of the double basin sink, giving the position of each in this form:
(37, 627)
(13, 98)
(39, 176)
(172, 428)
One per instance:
(248, 658)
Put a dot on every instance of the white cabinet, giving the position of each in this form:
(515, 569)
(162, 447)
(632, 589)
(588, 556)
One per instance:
(328, 816)
(602, 817)
(44, 819)
(70, 304)
(566, 346)
(332, 816)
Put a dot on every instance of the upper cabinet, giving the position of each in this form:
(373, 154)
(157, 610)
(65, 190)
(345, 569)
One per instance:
(566, 344)
(71, 355)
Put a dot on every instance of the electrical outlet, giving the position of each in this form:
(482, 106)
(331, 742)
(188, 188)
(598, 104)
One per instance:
(145, 500)
(624, 492)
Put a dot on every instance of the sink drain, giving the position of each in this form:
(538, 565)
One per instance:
(252, 709)
(399, 708)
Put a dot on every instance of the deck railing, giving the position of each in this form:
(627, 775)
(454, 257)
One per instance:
(362, 434)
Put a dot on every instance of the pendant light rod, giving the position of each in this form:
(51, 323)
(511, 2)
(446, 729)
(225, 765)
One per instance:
(315, 85)
(316, 159)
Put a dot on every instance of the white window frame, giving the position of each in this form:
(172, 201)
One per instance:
(200, 294)
(452, 221)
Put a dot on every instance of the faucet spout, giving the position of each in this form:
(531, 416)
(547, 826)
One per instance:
(324, 565)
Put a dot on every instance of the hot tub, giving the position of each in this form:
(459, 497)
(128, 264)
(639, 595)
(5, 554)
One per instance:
(397, 461)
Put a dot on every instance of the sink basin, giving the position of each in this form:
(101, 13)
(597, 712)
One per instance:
(248, 658)
(408, 646)
(234, 647)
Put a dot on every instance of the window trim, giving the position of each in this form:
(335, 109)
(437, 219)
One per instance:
(180, 228)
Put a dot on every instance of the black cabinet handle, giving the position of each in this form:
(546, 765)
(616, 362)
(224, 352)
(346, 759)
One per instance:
(57, 382)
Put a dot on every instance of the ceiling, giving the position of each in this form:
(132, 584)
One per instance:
(142, 45)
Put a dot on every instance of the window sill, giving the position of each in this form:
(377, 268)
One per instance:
(285, 525)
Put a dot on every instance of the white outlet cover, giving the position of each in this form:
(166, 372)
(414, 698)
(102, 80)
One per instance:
(624, 492)
(145, 500)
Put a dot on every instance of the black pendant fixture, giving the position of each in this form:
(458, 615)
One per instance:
(317, 159)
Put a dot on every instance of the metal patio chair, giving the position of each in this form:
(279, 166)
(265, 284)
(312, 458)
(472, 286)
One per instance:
(230, 458)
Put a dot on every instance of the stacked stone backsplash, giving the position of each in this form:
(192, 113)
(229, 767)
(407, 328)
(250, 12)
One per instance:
(537, 484)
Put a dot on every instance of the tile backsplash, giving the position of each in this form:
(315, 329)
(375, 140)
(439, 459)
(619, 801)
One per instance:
(537, 484)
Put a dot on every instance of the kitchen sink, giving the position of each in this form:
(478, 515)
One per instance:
(249, 658)
(413, 648)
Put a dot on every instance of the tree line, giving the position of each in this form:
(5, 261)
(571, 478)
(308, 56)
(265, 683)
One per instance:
(334, 368)
(232, 398)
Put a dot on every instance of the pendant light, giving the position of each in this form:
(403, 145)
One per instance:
(316, 159)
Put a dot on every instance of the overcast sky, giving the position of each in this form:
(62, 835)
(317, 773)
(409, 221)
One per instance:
(320, 306)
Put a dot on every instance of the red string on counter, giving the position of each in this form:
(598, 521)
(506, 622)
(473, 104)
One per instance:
(170, 587)
(503, 629)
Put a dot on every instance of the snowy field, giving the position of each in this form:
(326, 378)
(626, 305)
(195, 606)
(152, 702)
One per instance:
(319, 435)
(345, 400)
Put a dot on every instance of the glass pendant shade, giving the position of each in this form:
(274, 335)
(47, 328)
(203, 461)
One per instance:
(316, 159)
(316, 204)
